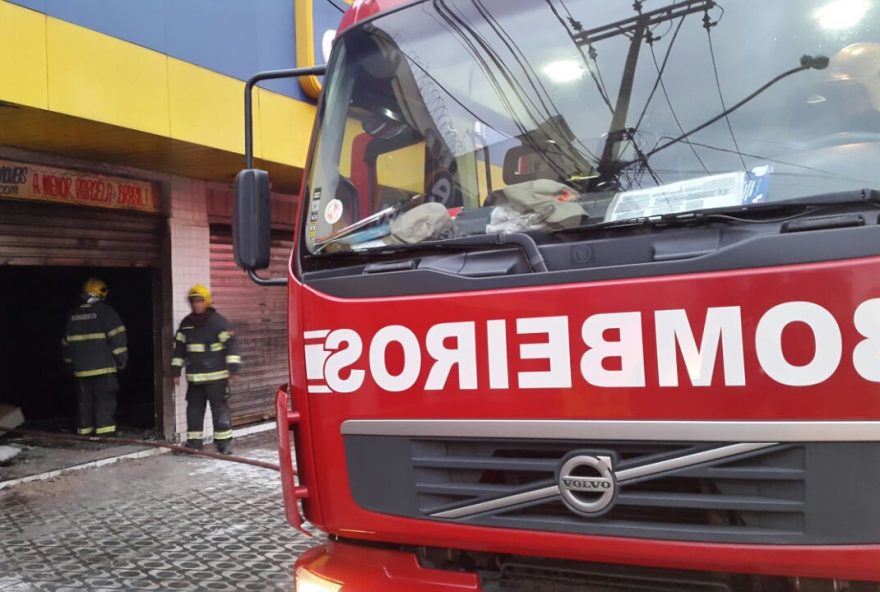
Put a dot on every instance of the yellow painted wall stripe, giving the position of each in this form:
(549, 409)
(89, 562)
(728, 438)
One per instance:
(286, 128)
(70, 69)
(304, 19)
(106, 79)
(23, 56)
(211, 121)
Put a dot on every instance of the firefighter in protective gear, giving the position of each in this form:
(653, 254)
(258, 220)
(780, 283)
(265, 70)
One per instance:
(205, 346)
(95, 348)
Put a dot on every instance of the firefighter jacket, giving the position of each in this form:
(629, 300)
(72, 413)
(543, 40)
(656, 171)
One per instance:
(95, 342)
(205, 345)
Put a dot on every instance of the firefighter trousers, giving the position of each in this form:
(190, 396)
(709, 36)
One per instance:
(197, 398)
(96, 405)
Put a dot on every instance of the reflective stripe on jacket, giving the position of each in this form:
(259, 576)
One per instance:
(95, 341)
(205, 345)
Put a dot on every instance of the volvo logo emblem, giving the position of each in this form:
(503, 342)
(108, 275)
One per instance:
(587, 484)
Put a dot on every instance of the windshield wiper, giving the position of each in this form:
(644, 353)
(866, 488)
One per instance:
(381, 215)
(523, 242)
(805, 203)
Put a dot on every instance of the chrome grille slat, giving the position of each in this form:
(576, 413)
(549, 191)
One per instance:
(476, 490)
(757, 473)
(459, 462)
(709, 502)
(757, 492)
(794, 492)
(629, 528)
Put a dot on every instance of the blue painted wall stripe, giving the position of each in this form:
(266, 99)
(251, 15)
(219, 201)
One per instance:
(233, 37)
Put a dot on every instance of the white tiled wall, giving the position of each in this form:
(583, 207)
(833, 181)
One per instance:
(190, 264)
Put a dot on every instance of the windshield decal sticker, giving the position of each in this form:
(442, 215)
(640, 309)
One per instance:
(333, 211)
(702, 193)
(313, 216)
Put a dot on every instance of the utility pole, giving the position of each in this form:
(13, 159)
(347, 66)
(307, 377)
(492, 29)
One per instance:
(637, 28)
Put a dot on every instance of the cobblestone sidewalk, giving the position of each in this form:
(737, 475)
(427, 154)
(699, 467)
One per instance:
(163, 523)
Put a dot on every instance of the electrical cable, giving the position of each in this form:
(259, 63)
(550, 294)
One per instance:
(721, 96)
(807, 63)
(675, 117)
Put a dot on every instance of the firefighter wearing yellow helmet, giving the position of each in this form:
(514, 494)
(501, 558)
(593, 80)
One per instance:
(95, 349)
(205, 346)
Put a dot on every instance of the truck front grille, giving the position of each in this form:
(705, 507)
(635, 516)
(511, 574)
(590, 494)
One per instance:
(797, 493)
(522, 577)
(755, 494)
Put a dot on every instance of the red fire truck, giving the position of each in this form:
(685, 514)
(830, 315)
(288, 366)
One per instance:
(583, 298)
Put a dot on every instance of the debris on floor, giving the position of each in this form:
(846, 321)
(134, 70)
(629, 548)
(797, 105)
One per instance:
(8, 454)
(10, 416)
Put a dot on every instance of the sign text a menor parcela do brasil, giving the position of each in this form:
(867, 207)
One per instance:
(39, 183)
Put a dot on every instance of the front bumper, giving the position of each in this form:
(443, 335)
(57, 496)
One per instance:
(356, 568)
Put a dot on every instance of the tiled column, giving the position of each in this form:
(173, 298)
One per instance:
(190, 264)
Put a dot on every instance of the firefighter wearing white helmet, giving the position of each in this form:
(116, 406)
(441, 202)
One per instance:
(205, 346)
(95, 349)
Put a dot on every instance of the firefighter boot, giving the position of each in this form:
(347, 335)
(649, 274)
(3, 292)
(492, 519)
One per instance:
(224, 446)
(194, 440)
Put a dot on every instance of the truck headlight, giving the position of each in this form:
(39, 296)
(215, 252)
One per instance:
(307, 581)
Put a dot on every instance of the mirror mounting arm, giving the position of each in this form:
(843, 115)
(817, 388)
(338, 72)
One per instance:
(261, 281)
(248, 101)
(251, 224)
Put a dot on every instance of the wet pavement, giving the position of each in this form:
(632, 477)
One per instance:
(168, 522)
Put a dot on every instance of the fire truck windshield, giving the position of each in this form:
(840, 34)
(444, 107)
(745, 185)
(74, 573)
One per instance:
(463, 117)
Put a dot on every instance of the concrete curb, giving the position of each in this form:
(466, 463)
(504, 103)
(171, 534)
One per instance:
(238, 433)
(89, 465)
(254, 429)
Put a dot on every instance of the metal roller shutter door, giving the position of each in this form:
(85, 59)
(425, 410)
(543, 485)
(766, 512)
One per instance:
(48, 234)
(259, 316)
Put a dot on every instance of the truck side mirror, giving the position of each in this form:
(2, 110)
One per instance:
(251, 209)
(252, 220)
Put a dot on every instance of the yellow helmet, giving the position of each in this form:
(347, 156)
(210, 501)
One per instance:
(200, 291)
(95, 287)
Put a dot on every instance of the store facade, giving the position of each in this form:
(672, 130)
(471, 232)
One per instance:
(120, 134)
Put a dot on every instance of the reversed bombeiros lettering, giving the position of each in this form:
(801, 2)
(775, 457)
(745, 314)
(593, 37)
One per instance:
(543, 352)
